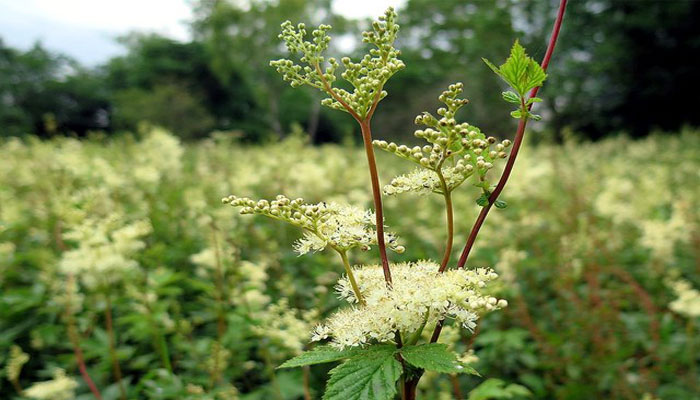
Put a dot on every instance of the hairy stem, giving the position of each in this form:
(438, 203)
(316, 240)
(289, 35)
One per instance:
(112, 346)
(516, 144)
(351, 277)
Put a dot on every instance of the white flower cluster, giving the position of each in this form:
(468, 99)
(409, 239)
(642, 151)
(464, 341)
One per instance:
(420, 296)
(251, 290)
(60, 387)
(344, 227)
(425, 181)
(341, 227)
(282, 325)
(688, 301)
(159, 155)
(105, 249)
(15, 362)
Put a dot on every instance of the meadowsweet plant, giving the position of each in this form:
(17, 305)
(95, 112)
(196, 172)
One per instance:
(379, 335)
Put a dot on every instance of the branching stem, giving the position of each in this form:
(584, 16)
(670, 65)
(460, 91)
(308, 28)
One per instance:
(511, 160)
(372, 164)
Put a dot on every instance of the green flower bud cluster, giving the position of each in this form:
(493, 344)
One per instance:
(311, 54)
(295, 212)
(457, 150)
(367, 77)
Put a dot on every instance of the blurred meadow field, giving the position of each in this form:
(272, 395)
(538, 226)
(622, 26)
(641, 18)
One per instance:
(598, 253)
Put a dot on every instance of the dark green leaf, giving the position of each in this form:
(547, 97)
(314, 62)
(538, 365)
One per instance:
(483, 200)
(319, 355)
(435, 357)
(370, 374)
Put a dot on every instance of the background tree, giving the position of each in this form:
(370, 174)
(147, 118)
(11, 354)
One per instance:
(44, 93)
(623, 65)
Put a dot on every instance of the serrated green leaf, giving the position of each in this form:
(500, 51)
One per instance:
(370, 374)
(519, 71)
(533, 100)
(319, 355)
(500, 204)
(511, 97)
(492, 66)
(483, 200)
(435, 357)
(516, 114)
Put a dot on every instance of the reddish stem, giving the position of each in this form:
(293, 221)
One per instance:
(372, 163)
(377, 197)
(75, 341)
(516, 145)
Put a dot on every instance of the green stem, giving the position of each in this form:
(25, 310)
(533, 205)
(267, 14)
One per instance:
(162, 346)
(416, 335)
(271, 371)
(351, 276)
(449, 216)
(17, 386)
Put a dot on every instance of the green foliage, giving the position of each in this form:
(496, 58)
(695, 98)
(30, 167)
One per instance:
(492, 389)
(583, 223)
(370, 374)
(319, 355)
(168, 105)
(435, 357)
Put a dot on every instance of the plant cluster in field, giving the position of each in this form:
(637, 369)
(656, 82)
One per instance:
(391, 309)
(633, 209)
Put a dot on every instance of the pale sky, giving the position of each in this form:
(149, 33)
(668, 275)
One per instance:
(85, 29)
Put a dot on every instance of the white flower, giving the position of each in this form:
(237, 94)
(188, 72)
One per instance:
(688, 301)
(425, 181)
